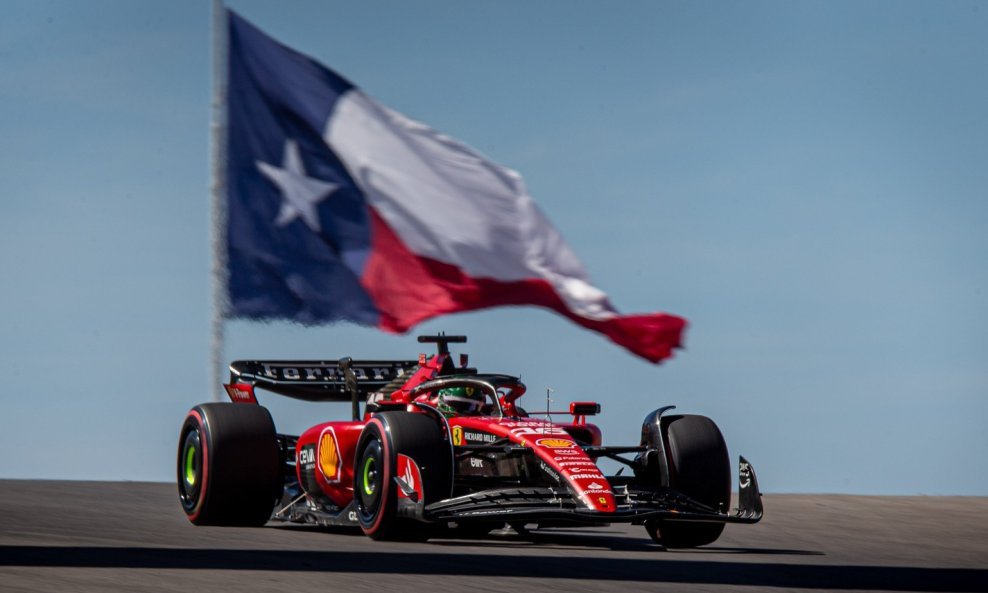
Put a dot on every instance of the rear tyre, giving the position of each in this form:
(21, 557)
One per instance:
(385, 436)
(699, 467)
(228, 465)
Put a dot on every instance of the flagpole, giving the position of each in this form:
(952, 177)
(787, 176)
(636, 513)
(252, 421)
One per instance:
(218, 202)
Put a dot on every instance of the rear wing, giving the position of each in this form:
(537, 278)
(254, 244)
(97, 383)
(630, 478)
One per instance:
(321, 380)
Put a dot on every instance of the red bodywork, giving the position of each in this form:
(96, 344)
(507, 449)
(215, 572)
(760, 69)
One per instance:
(325, 453)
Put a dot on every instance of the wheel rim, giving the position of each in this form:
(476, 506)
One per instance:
(369, 486)
(190, 469)
(369, 480)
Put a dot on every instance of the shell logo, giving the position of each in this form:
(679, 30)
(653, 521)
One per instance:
(555, 443)
(329, 456)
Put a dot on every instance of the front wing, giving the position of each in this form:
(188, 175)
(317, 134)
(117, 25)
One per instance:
(635, 504)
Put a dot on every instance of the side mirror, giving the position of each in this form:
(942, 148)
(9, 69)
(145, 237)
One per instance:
(580, 411)
(584, 408)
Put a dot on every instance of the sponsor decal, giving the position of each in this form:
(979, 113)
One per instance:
(744, 477)
(482, 437)
(594, 486)
(548, 470)
(307, 457)
(378, 397)
(555, 443)
(457, 435)
(524, 423)
(409, 473)
(581, 472)
(545, 429)
(241, 393)
(586, 469)
(566, 452)
(476, 462)
(329, 456)
(564, 462)
(328, 372)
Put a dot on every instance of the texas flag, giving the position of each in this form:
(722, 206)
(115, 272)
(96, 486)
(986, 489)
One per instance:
(339, 208)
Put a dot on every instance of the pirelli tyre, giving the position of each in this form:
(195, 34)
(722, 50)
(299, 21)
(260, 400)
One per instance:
(376, 491)
(228, 465)
(699, 467)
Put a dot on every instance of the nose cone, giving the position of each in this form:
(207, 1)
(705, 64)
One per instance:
(563, 455)
(562, 459)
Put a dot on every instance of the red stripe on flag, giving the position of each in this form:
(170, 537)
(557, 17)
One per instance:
(408, 289)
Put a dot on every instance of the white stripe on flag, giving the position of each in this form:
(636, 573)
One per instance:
(449, 203)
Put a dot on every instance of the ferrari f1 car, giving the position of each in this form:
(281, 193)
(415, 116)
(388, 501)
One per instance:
(407, 468)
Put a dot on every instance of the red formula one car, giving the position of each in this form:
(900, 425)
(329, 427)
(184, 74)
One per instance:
(441, 448)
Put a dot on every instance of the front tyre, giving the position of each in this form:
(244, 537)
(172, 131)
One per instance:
(373, 488)
(228, 465)
(699, 467)
(385, 436)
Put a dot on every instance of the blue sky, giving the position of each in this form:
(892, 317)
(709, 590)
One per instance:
(805, 182)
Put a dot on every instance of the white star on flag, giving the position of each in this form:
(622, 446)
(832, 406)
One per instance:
(301, 192)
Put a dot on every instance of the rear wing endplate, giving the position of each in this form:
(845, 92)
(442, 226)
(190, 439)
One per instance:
(320, 380)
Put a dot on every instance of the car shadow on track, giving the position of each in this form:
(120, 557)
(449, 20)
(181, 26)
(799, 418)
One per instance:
(661, 568)
(549, 539)
(558, 539)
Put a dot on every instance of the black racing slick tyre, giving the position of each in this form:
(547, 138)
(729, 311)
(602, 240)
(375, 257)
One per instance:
(228, 465)
(699, 467)
(387, 435)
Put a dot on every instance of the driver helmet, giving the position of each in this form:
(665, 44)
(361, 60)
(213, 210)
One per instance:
(459, 401)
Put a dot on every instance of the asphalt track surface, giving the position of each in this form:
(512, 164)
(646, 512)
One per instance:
(93, 536)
